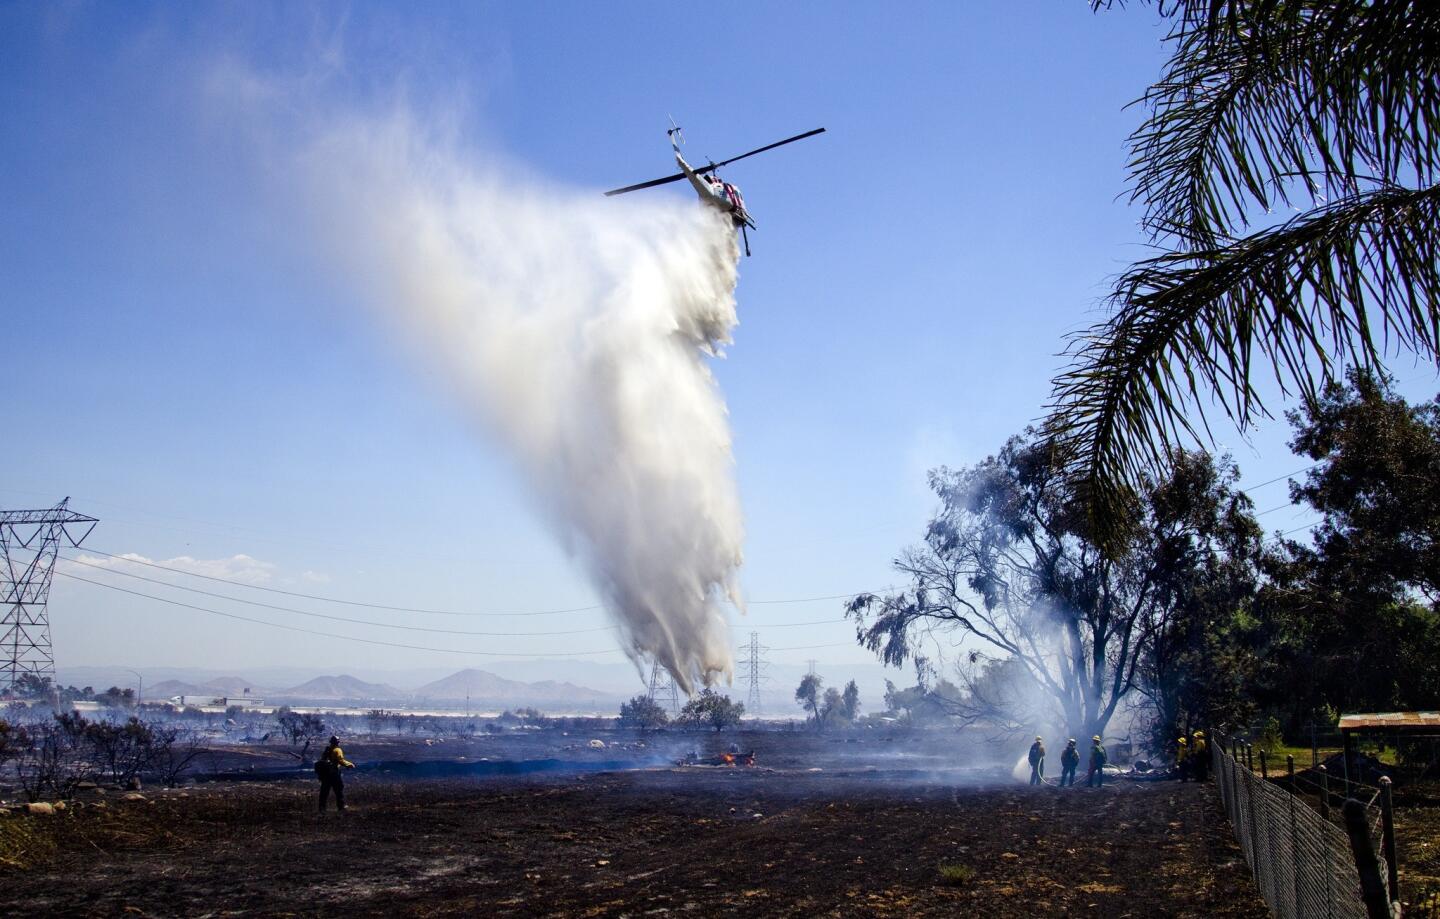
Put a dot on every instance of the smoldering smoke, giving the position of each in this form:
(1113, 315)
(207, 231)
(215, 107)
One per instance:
(580, 329)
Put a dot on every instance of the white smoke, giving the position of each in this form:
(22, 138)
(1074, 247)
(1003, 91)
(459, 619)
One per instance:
(580, 328)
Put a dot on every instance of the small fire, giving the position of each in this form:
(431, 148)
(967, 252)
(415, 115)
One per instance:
(729, 759)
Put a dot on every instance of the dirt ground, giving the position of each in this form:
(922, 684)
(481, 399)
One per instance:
(782, 840)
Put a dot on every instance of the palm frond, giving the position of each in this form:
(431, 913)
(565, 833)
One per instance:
(1349, 282)
(1261, 100)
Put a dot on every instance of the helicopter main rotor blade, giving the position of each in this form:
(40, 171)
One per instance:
(713, 166)
(778, 143)
(650, 184)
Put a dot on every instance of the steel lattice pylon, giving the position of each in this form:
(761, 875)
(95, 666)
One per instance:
(662, 689)
(29, 543)
(752, 671)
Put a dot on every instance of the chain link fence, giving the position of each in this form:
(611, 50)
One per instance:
(1302, 859)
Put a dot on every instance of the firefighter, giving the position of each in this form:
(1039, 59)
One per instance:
(1096, 776)
(1069, 762)
(1037, 761)
(1199, 758)
(327, 769)
(1182, 759)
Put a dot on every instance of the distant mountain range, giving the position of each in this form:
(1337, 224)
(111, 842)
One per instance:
(550, 685)
(343, 688)
(222, 686)
(481, 688)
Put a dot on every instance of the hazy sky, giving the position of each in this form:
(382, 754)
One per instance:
(181, 362)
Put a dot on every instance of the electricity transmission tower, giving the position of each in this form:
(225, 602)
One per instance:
(753, 672)
(662, 689)
(29, 543)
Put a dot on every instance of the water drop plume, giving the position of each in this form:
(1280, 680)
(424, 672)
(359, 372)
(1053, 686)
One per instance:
(580, 328)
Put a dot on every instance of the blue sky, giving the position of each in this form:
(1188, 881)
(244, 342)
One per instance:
(181, 365)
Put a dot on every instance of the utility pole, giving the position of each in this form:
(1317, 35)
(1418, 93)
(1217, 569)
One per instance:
(29, 543)
(812, 662)
(662, 689)
(140, 690)
(752, 672)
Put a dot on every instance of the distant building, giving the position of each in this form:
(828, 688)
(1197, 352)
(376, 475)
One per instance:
(197, 701)
(248, 703)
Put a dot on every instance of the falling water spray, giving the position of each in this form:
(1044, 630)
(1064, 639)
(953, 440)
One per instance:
(580, 329)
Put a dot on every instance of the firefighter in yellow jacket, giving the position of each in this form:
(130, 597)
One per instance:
(327, 769)
(1199, 757)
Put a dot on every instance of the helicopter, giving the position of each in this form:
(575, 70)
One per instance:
(713, 190)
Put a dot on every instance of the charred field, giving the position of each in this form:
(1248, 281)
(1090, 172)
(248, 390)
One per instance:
(819, 827)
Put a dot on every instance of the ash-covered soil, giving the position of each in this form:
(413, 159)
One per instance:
(868, 834)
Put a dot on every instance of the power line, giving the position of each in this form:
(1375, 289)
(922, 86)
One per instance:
(407, 628)
(302, 612)
(230, 529)
(1278, 536)
(384, 644)
(323, 599)
(1285, 476)
(366, 641)
(1278, 507)
(814, 599)
(786, 625)
(410, 609)
(836, 644)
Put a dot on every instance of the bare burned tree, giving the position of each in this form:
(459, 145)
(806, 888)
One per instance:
(14, 738)
(121, 751)
(300, 730)
(377, 718)
(1056, 628)
(57, 759)
(173, 751)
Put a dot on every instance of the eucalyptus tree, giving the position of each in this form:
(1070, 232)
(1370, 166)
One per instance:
(1352, 615)
(1055, 629)
(1287, 172)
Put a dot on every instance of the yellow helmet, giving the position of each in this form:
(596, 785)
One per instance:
(1199, 733)
(1182, 740)
(1096, 738)
(1038, 737)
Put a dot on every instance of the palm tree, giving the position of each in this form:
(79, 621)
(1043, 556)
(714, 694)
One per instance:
(1324, 111)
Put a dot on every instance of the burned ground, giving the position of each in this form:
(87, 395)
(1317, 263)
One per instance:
(765, 841)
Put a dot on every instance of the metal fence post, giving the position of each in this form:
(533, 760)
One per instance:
(1345, 761)
(1387, 819)
(1294, 836)
(1329, 863)
(1255, 855)
(1372, 886)
(1264, 772)
(1324, 791)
